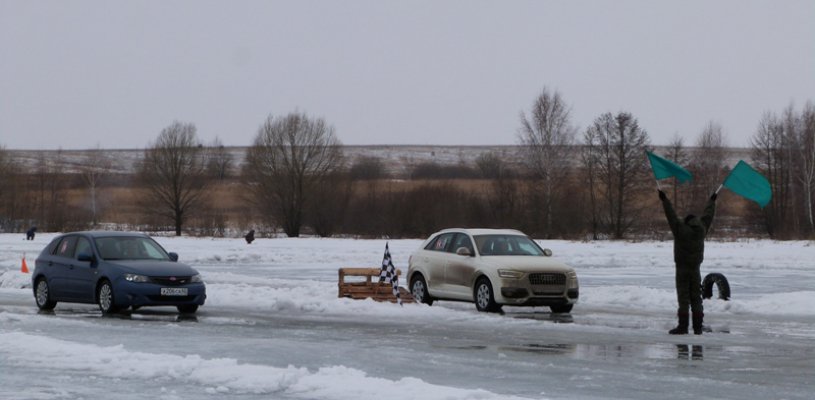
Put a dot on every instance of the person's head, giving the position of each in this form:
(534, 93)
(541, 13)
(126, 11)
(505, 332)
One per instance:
(689, 218)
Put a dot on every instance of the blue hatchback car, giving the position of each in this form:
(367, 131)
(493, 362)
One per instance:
(115, 270)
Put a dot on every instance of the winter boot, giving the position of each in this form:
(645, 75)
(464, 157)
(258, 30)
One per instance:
(697, 322)
(682, 328)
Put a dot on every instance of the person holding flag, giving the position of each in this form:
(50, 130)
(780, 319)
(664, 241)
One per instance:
(689, 247)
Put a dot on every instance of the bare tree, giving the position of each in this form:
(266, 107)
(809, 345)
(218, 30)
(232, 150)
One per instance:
(620, 168)
(502, 199)
(94, 168)
(708, 162)
(219, 160)
(679, 155)
(590, 159)
(772, 159)
(806, 150)
(290, 156)
(174, 173)
(547, 135)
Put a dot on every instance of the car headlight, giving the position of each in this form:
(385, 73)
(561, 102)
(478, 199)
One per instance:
(572, 279)
(196, 278)
(136, 278)
(508, 273)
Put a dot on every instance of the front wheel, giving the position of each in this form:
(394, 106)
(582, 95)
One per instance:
(42, 295)
(484, 298)
(418, 288)
(104, 297)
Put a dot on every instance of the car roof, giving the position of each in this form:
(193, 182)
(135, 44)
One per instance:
(96, 234)
(482, 231)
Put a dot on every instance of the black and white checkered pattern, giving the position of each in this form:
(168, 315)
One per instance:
(388, 274)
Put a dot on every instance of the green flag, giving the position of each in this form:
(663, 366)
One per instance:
(666, 169)
(745, 181)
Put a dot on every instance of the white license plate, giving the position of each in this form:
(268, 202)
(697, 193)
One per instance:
(166, 291)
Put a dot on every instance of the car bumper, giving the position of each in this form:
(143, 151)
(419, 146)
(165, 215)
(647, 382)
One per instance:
(149, 294)
(519, 292)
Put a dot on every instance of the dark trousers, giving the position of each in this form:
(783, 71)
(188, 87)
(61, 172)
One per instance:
(689, 288)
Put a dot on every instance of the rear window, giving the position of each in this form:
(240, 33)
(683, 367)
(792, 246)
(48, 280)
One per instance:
(441, 242)
(66, 247)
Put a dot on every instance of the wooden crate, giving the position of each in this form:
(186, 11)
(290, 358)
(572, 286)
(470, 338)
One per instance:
(371, 287)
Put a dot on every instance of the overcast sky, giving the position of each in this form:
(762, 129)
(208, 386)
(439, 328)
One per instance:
(77, 74)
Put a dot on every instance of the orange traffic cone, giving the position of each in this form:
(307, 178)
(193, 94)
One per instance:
(24, 268)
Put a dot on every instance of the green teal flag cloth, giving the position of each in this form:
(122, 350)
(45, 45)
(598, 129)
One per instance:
(745, 181)
(666, 169)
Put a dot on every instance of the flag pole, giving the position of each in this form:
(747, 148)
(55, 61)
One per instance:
(720, 188)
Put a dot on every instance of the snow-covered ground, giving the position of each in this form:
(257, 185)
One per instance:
(273, 327)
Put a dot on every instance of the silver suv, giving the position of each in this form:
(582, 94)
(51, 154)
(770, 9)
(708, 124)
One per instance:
(492, 268)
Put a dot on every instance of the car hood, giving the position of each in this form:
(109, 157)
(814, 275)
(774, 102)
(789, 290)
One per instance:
(526, 263)
(155, 268)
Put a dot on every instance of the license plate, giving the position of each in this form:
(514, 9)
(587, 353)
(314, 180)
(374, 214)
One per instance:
(173, 291)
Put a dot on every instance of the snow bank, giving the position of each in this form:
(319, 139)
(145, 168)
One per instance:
(14, 279)
(299, 275)
(218, 376)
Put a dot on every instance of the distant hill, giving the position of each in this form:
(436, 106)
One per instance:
(398, 159)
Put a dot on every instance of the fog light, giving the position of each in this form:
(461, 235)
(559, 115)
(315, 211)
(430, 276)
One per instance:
(514, 293)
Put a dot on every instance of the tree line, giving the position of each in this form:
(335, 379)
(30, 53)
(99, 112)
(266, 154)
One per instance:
(296, 179)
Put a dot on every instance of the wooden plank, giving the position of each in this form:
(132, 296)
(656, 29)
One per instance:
(378, 291)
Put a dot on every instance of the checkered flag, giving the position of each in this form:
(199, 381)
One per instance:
(388, 274)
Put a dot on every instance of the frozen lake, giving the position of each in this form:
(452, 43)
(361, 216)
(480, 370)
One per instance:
(273, 328)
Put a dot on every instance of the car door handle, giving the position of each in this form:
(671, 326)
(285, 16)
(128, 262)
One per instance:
(50, 263)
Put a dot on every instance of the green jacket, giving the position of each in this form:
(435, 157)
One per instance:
(689, 238)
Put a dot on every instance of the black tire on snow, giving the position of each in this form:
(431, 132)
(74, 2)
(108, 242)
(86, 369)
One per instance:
(105, 298)
(562, 309)
(483, 288)
(42, 295)
(187, 308)
(721, 283)
(418, 288)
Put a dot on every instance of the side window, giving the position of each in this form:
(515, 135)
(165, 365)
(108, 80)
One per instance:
(83, 246)
(462, 240)
(441, 243)
(66, 247)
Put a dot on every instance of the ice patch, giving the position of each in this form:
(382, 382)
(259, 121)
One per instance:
(219, 376)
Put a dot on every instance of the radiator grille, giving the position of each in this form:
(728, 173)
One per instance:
(547, 279)
(170, 281)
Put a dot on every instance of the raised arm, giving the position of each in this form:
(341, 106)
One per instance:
(673, 222)
(710, 211)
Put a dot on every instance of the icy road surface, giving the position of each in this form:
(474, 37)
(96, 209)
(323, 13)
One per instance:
(273, 328)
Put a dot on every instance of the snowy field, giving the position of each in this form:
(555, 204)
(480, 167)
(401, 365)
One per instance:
(273, 328)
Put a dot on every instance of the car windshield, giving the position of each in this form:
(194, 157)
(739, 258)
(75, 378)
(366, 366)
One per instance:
(507, 245)
(130, 248)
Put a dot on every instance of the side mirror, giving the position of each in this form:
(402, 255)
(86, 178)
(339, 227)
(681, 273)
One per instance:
(463, 251)
(173, 256)
(85, 257)
(547, 252)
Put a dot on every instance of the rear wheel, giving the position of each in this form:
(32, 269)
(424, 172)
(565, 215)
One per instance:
(418, 288)
(187, 308)
(42, 295)
(104, 297)
(484, 298)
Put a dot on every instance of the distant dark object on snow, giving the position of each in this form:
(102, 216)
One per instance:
(29, 234)
(250, 237)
